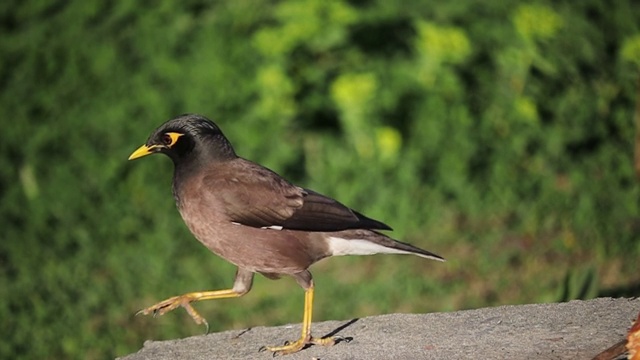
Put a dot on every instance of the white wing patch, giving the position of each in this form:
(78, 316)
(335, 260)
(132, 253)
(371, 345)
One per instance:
(272, 227)
(339, 246)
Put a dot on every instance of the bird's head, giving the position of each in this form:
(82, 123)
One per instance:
(187, 137)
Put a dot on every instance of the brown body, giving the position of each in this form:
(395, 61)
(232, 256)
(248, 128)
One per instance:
(251, 248)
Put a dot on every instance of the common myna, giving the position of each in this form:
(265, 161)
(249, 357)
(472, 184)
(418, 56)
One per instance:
(255, 219)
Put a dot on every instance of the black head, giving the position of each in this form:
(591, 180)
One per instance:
(187, 138)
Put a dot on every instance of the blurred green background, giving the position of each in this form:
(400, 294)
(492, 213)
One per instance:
(499, 135)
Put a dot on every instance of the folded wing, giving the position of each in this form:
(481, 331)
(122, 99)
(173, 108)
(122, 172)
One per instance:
(256, 196)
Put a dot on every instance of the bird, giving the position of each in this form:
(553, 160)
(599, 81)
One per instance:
(257, 220)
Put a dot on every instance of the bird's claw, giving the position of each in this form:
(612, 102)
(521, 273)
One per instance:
(291, 347)
(170, 304)
(339, 339)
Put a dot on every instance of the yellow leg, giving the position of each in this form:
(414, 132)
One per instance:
(241, 286)
(185, 301)
(305, 337)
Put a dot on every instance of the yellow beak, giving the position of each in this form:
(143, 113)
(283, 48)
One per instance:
(143, 150)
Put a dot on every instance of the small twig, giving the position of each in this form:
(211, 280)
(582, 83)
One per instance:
(242, 333)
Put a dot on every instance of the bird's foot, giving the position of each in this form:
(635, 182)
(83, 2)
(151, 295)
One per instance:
(293, 347)
(172, 303)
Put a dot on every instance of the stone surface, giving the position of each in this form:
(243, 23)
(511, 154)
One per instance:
(572, 330)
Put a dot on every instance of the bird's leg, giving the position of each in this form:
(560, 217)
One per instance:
(241, 286)
(185, 300)
(305, 338)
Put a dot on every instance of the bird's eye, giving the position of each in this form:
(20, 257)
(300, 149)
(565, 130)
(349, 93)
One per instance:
(169, 139)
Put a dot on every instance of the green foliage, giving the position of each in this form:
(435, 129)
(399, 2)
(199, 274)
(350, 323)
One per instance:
(505, 146)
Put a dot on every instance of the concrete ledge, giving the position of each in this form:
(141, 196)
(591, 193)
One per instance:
(573, 330)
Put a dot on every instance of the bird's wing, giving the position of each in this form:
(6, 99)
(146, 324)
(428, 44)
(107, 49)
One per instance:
(258, 197)
(321, 213)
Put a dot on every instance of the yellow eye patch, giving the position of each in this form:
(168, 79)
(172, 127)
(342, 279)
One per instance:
(169, 139)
